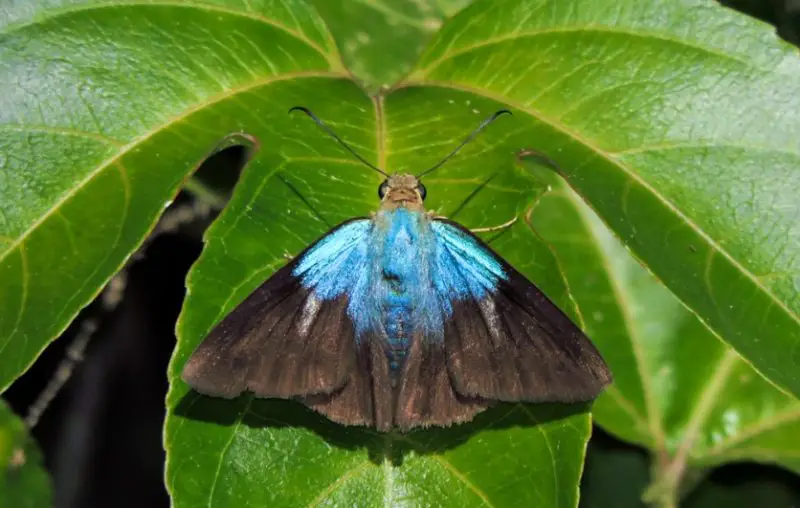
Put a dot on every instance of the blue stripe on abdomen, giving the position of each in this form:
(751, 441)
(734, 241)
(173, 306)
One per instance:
(400, 275)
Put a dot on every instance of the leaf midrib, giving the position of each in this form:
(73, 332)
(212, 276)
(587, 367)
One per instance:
(560, 127)
(619, 292)
(89, 177)
(703, 407)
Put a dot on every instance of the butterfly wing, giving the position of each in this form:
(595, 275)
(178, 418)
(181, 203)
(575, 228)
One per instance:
(287, 340)
(505, 340)
(481, 332)
(427, 395)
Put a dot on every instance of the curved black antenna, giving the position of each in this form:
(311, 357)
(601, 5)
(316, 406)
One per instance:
(466, 140)
(332, 134)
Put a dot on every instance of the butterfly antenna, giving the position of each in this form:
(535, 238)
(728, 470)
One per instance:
(332, 134)
(469, 138)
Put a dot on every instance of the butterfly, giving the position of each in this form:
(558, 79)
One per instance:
(398, 320)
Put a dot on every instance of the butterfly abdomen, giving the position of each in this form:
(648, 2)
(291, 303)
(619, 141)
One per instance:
(397, 314)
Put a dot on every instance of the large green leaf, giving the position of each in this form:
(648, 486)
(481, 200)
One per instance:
(679, 391)
(99, 126)
(23, 481)
(679, 122)
(676, 121)
(512, 454)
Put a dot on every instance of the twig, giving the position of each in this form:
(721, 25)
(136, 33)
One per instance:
(110, 298)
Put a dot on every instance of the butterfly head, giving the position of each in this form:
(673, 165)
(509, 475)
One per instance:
(402, 190)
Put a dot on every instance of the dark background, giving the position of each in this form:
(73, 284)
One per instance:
(101, 436)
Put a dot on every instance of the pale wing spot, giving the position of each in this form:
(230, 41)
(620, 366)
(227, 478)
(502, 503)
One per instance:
(309, 314)
(489, 312)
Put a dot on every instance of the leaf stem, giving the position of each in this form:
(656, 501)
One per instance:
(672, 475)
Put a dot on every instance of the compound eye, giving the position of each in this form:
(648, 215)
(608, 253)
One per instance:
(383, 189)
(422, 191)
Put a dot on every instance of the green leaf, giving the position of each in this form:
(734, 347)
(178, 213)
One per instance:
(290, 195)
(679, 122)
(90, 156)
(676, 121)
(23, 481)
(207, 70)
(678, 390)
(381, 39)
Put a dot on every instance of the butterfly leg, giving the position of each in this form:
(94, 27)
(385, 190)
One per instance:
(495, 228)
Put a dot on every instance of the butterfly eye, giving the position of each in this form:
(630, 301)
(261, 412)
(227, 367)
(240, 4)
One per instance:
(383, 189)
(422, 191)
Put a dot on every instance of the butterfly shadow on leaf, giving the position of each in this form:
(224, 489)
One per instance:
(287, 415)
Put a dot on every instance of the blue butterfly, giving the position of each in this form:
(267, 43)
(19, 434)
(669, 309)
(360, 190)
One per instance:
(399, 320)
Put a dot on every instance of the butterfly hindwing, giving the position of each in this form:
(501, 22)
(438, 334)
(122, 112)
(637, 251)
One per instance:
(505, 340)
(284, 340)
(426, 394)
(366, 398)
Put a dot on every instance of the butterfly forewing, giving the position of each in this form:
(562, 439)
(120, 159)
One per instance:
(511, 342)
(281, 341)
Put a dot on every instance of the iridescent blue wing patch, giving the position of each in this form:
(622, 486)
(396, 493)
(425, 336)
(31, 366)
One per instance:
(504, 339)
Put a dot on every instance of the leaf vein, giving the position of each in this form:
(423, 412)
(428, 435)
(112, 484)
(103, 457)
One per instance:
(61, 131)
(463, 478)
(224, 451)
(87, 179)
(337, 483)
(775, 421)
(585, 29)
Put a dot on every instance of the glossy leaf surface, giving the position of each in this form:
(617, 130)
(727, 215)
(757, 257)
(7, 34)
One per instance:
(535, 452)
(90, 156)
(675, 121)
